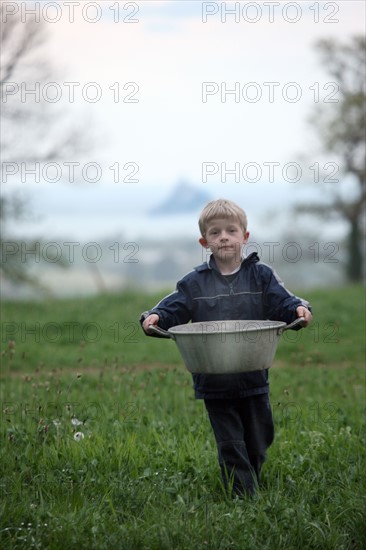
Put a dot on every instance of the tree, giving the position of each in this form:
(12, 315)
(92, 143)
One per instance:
(341, 128)
(13, 252)
(43, 136)
(24, 64)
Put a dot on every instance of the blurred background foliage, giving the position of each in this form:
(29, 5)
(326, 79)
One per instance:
(49, 135)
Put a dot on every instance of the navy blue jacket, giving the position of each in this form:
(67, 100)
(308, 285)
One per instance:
(205, 294)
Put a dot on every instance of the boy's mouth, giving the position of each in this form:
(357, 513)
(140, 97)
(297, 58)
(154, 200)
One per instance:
(226, 248)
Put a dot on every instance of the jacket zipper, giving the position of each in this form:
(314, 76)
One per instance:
(231, 288)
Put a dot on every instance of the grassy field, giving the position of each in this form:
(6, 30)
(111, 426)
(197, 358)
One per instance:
(104, 446)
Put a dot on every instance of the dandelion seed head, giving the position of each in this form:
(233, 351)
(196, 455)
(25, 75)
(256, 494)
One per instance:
(78, 436)
(76, 422)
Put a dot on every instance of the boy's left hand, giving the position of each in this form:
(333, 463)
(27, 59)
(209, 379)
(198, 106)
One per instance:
(302, 311)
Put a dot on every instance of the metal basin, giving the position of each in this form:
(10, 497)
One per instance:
(218, 347)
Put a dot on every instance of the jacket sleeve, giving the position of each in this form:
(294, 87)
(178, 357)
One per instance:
(279, 303)
(174, 309)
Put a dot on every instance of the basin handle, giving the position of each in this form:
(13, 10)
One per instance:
(158, 331)
(299, 321)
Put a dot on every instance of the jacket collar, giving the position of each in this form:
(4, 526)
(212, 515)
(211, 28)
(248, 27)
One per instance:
(211, 264)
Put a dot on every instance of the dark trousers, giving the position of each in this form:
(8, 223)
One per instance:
(243, 430)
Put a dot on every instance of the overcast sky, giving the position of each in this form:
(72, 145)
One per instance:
(186, 90)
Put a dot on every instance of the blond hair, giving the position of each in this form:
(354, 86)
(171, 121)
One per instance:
(221, 209)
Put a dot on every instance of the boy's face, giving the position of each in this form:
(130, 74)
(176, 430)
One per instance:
(225, 238)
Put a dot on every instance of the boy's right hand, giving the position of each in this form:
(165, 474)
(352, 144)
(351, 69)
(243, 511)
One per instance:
(152, 319)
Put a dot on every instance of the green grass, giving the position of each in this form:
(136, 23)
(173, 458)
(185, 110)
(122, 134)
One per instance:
(104, 330)
(145, 475)
(96, 331)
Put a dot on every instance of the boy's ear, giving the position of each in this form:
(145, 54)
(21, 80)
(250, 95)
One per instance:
(203, 242)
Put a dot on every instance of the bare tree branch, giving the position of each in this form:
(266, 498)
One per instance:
(23, 62)
(341, 127)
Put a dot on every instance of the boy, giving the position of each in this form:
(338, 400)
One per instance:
(231, 287)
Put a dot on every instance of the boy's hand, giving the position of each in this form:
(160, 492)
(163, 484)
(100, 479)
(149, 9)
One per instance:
(304, 312)
(152, 319)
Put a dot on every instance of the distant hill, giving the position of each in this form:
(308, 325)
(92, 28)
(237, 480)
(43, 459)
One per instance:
(184, 199)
